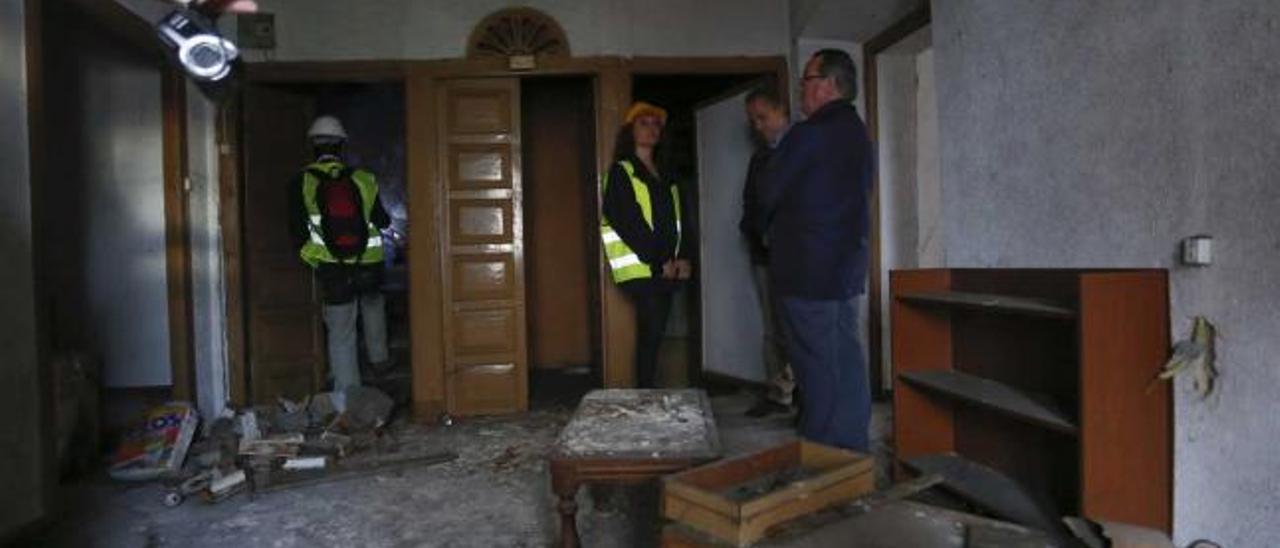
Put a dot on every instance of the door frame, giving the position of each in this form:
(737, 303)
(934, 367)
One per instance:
(898, 31)
(421, 78)
(136, 32)
(231, 181)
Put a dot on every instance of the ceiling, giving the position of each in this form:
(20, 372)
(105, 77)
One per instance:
(851, 20)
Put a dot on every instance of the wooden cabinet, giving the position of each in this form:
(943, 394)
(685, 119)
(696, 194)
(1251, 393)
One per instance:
(1032, 388)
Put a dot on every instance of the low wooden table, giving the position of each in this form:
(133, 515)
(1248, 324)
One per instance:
(629, 436)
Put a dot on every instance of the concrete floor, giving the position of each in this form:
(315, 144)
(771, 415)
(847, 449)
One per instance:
(496, 494)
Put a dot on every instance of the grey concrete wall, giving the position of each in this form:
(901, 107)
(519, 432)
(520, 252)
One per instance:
(21, 450)
(434, 29)
(1093, 133)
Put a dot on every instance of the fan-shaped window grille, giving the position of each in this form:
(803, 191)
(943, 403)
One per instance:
(518, 31)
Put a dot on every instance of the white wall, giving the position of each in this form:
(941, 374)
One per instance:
(123, 225)
(1086, 134)
(896, 164)
(929, 250)
(437, 29)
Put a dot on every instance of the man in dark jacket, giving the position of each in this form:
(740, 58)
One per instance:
(770, 120)
(814, 208)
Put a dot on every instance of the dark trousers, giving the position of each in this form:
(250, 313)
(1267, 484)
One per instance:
(823, 345)
(652, 300)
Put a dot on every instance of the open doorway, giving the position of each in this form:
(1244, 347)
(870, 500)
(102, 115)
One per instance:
(682, 95)
(909, 181)
(285, 338)
(561, 237)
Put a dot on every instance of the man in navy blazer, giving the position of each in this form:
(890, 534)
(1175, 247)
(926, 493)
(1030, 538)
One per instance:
(814, 209)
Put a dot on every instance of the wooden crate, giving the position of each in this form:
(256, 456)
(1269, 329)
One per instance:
(711, 498)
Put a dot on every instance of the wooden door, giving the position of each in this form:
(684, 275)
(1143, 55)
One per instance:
(285, 339)
(561, 231)
(482, 241)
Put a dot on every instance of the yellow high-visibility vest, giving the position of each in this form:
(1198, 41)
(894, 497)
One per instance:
(623, 261)
(315, 251)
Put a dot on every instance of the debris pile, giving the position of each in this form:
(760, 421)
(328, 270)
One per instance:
(258, 448)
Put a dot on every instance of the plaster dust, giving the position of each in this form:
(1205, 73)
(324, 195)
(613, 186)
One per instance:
(627, 421)
(496, 494)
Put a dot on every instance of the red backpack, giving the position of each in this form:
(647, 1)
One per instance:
(342, 222)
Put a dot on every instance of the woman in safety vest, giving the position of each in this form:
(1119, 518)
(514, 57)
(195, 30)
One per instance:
(641, 230)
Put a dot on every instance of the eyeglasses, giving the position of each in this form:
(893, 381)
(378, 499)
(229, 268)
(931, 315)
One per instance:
(805, 79)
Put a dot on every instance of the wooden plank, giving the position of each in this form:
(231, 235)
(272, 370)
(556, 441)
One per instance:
(992, 395)
(987, 488)
(1126, 430)
(991, 303)
(801, 491)
(730, 472)
(697, 497)
(921, 341)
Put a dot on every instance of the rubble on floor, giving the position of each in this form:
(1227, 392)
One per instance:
(263, 447)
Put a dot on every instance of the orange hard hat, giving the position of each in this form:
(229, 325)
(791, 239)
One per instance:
(641, 108)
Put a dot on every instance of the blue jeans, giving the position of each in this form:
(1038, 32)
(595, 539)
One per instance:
(823, 345)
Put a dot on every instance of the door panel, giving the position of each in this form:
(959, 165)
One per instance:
(487, 389)
(483, 277)
(732, 322)
(480, 166)
(285, 337)
(485, 332)
(481, 221)
(485, 355)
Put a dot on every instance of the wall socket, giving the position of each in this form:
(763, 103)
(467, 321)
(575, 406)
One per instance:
(256, 30)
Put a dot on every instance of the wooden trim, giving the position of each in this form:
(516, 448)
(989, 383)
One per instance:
(326, 71)
(231, 222)
(33, 36)
(617, 316)
(900, 30)
(425, 265)
(177, 234)
(707, 65)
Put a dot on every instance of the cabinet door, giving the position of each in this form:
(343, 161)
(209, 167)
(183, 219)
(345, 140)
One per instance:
(482, 240)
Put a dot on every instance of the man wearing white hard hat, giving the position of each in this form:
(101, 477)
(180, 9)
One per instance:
(338, 223)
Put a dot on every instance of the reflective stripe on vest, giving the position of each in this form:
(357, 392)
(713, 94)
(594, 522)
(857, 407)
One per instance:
(623, 261)
(314, 251)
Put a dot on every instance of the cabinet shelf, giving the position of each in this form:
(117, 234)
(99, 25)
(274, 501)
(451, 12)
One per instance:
(1043, 376)
(991, 303)
(987, 488)
(991, 395)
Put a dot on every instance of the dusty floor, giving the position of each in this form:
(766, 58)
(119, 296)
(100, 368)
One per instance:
(496, 494)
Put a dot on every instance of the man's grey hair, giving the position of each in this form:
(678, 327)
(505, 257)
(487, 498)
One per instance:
(767, 93)
(837, 65)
